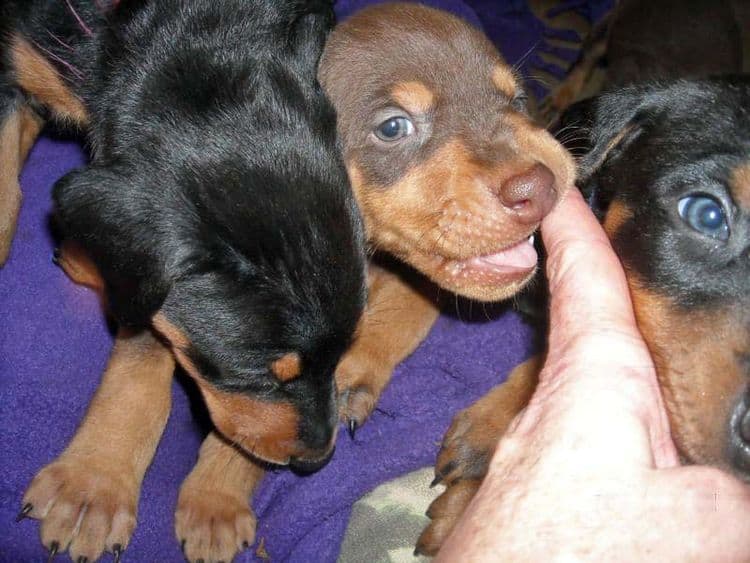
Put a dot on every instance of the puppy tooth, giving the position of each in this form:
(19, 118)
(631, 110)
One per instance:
(531, 239)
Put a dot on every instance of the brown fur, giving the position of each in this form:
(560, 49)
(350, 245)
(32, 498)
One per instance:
(103, 466)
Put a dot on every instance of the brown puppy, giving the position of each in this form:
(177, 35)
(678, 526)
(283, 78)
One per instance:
(450, 173)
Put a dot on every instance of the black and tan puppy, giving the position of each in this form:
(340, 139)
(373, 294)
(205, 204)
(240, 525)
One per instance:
(668, 172)
(215, 210)
(669, 39)
(451, 175)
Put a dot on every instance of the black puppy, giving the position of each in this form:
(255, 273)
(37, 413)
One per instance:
(667, 169)
(215, 210)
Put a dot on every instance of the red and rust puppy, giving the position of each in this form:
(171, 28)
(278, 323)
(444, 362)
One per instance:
(668, 172)
(450, 173)
(216, 210)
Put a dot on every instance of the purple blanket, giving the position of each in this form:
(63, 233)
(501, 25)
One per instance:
(54, 344)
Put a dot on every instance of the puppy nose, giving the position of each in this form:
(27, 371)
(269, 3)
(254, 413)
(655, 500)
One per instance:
(530, 195)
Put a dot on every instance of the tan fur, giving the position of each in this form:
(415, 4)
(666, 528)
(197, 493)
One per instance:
(617, 215)
(266, 430)
(397, 319)
(694, 351)
(79, 267)
(414, 96)
(213, 517)
(739, 183)
(287, 367)
(503, 79)
(39, 78)
(17, 135)
(99, 474)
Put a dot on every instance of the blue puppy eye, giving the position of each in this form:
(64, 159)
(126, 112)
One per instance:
(394, 129)
(705, 215)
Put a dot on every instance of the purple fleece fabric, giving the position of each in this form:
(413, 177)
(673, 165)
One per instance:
(54, 343)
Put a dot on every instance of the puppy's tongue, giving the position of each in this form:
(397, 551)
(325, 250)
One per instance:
(517, 258)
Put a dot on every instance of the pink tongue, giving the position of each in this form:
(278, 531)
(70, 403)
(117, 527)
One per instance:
(519, 257)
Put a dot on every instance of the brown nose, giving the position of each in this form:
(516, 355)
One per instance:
(531, 194)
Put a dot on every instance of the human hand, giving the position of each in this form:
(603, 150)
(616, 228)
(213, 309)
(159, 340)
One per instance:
(588, 471)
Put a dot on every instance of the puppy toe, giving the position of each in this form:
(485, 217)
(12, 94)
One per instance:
(80, 505)
(213, 526)
(356, 405)
(466, 450)
(444, 512)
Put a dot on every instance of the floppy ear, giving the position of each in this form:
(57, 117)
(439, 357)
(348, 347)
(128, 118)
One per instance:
(97, 208)
(599, 130)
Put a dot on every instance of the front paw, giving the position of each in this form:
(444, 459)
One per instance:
(85, 506)
(462, 464)
(356, 403)
(213, 524)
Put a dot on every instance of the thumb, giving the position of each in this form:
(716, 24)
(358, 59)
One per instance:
(589, 293)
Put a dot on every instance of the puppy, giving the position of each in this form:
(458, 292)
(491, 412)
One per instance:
(667, 169)
(216, 211)
(450, 173)
(718, 43)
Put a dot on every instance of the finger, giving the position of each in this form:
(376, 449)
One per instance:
(587, 284)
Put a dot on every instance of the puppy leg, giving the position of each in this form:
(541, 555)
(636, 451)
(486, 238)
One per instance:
(468, 447)
(213, 520)
(19, 128)
(87, 498)
(397, 319)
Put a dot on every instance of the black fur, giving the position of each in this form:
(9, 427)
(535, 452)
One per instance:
(687, 137)
(215, 193)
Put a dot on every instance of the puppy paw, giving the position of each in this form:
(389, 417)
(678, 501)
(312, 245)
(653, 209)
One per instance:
(444, 512)
(212, 524)
(84, 506)
(356, 404)
(467, 447)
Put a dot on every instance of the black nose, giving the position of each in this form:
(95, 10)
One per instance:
(739, 435)
(306, 466)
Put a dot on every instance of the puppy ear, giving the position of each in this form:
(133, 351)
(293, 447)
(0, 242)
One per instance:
(598, 130)
(98, 208)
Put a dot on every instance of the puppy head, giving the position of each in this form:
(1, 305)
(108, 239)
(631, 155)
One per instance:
(256, 280)
(450, 173)
(668, 170)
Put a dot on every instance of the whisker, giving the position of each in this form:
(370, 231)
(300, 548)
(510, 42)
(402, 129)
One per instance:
(86, 29)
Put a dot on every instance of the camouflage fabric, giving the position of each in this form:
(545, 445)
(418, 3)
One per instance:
(385, 523)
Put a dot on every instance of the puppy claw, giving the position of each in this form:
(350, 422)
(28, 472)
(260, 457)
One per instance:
(53, 549)
(82, 559)
(24, 513)
(56, 253)
(117, 552)
(436, 481)
(352, 428)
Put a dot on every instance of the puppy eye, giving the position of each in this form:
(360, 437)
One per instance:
(704, 214)
(394, 129)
